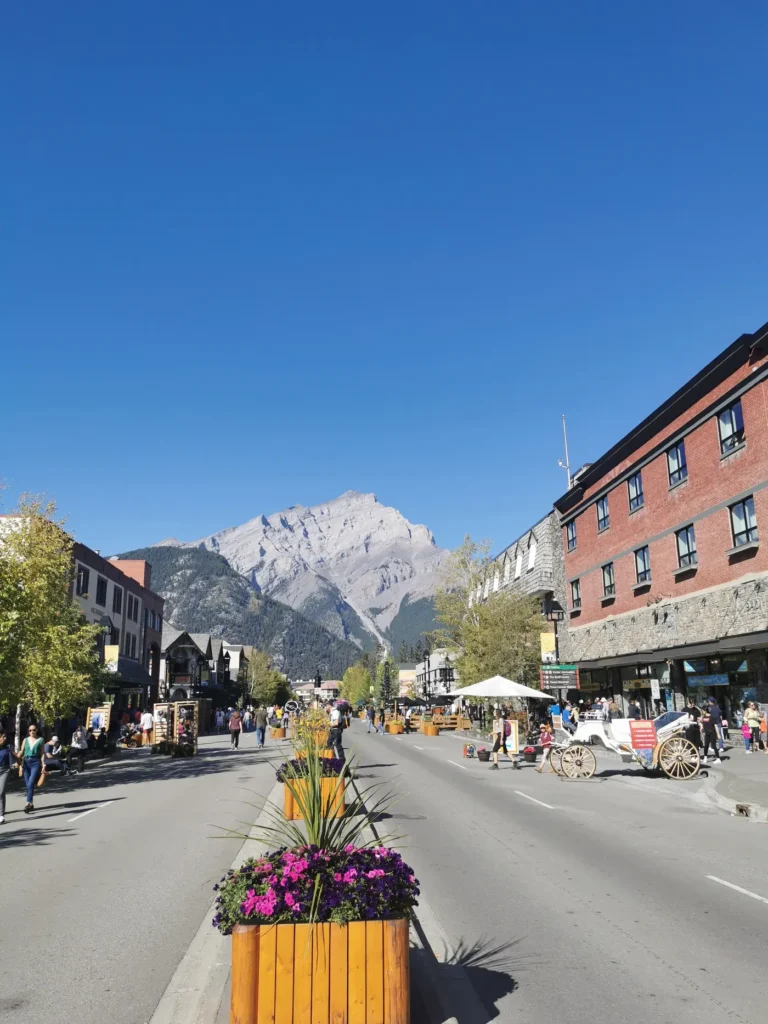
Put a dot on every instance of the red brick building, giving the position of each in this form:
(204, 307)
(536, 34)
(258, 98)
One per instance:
(667, 580)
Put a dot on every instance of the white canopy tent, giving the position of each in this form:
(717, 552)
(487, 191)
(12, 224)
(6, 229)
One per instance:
(498, 686)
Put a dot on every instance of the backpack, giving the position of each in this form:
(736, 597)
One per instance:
(507, 728)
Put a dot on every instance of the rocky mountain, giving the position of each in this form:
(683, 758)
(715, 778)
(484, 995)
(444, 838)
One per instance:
(204, 594)
(352, 565)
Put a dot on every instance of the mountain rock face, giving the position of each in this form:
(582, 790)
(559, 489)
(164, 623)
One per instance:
(204, 594)
(352, 565)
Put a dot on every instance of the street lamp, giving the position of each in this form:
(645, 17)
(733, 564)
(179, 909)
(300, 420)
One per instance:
(227, 660)
(168, 674)
(426, 677)
(198, 677)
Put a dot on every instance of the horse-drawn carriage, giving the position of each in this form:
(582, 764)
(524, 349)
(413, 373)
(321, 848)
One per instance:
(672, 753)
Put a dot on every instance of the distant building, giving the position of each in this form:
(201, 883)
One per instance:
(436, 675)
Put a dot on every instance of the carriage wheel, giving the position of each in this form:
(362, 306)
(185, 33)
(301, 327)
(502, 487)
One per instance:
(556, 760)
(579, 762)
(678, 758)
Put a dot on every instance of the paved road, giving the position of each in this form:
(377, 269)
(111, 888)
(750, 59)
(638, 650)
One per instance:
(103, 889)
(581, 901)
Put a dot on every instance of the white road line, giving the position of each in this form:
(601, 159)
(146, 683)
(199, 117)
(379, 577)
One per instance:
(418, 748)
(91, 811)
(458, 765)
(746, 892)
(534, 800)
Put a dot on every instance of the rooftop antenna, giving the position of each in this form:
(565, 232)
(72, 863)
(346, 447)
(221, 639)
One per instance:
(565, 465)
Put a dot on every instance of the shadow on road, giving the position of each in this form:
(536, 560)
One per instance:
(33, 837)
(472, 979)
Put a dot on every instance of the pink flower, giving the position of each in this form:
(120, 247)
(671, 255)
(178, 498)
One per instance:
(337, 876)
(350, 875)
(253, 904)
(350, 848)
(375, 873)
(289, 899)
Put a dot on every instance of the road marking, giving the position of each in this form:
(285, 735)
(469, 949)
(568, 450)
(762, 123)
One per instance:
(534, 800)
(746, 892)
(91, 811)
(417, 747)
(458, 765)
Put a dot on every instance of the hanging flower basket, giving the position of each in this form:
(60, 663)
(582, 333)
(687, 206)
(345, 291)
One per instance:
(350, 963)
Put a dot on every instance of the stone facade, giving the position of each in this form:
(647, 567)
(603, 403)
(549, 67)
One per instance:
(544, 579)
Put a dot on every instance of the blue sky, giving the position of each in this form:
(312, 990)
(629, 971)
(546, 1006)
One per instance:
(256, 255)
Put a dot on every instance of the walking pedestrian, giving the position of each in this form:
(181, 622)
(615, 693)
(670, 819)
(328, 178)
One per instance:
(692, 730)
(147, 725)
(219, 721)
(382, 719)
(752, 719)
(717, 717)
(545, 739)
(633, 711)
(246, 720)
(370, 718)
(261, 719)
(286, 719)
(408, 713)
(235, 727)
(6, 763)
(500, 730)
(709, 733)
(336, 722)
(32, 757)
(78, 747)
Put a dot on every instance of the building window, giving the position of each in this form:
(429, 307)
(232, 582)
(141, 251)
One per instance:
(133, 645)
(83, 578)
(676, 464)
(609, 587)
(643, 565)
(115, 637)
(158, 622)
(135, 615)
(635, 485)
(117, 600)
(686, 546)
(603, 516)
(743, 522)
(101, 591)
(576, 593)
(570, 535)
(532, 553)
(507, 569)
(518, 564)
(730, 423)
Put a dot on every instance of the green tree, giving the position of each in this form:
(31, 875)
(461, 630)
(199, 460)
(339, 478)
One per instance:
(265, 684)
(48, 653)
(493, 633)
(356, 683)
(387, 680)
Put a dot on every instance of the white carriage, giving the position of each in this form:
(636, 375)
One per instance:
(673, 754)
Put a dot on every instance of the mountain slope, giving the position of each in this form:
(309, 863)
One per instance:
(347, 564)
(204, 594)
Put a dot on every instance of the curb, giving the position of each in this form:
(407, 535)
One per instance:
(736, 808)
(195, 991)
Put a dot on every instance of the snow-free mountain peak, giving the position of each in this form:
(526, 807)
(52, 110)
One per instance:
(350, 563)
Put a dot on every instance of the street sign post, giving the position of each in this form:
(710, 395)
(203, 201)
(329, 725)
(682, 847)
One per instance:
(560, 677)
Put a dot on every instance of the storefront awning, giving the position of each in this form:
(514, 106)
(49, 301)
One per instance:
(745, 642)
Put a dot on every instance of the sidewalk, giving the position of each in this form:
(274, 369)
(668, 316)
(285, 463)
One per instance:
(740, 783)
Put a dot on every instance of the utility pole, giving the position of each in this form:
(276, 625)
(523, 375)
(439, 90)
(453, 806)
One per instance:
(565, 465)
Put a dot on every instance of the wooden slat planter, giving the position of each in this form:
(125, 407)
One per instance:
(332, 795)
(431, 730)
(395, 728)
(277, 733)
(355, 973)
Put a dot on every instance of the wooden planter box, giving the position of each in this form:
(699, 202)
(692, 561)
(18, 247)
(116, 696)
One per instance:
(328, 753)
(355, 973)
(277, 733)
(431, 730)
(395, 728)
(332, 793)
